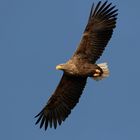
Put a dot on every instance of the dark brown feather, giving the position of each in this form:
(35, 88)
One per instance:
(65, 97)
(102, 21)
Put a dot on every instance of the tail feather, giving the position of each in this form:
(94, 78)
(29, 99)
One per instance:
(105, 69)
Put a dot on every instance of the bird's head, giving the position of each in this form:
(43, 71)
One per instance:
(61, 67)
(67, 67)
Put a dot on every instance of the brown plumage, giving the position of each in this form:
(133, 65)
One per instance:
(98, 32)
(65, 97)
(102, 21)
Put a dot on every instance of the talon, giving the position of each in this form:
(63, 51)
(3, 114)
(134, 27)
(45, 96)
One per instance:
(97, 71)
(96, 74)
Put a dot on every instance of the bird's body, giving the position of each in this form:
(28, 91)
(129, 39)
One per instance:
(101, 22)
(79, 67)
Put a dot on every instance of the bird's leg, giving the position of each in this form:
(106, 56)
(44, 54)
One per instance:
(97, 73)
(101, 71)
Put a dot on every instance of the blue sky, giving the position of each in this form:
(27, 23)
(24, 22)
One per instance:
(35, 36)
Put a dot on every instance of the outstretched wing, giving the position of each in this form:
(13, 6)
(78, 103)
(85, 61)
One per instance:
(102, 21)
(65, 97)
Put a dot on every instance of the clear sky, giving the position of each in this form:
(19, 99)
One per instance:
(35, 36)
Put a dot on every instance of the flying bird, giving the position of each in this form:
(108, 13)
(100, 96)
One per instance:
(98, 31)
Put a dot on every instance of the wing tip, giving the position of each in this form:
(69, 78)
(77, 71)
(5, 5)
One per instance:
(45, 121)
(103, 9)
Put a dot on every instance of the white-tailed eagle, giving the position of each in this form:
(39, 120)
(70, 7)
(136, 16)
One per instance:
(99, 29)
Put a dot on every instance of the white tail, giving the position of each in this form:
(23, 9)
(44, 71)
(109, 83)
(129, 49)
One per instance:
(105, 69)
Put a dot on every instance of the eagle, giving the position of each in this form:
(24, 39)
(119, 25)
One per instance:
(82, 64)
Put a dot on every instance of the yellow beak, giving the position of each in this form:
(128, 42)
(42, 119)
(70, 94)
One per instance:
(58, 67)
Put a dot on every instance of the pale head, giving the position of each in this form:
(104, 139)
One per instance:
(61, 67)
(66, 67)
